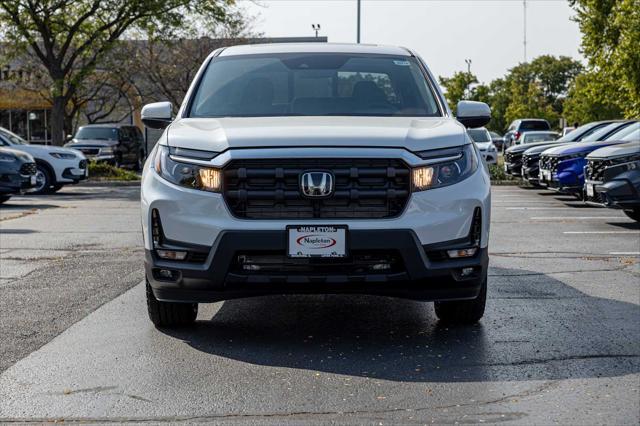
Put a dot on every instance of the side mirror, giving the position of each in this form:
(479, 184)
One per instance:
(157, 115)
(473, 114)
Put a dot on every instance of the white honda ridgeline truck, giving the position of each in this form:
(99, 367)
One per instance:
(315, 168)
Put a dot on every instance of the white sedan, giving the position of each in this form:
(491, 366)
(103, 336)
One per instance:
(57, 166)
(483, 141)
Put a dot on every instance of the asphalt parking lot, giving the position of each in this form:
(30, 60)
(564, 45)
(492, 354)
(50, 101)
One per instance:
(559, 343)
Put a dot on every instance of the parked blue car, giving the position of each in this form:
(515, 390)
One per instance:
(562, 167)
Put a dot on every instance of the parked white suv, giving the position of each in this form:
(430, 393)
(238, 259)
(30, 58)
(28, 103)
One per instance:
(56, 166)
(315, 168)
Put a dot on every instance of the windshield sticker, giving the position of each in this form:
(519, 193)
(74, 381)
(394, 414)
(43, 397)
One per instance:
(402, 63)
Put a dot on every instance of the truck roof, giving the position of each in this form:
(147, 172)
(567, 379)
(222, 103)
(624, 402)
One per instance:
(255, 49)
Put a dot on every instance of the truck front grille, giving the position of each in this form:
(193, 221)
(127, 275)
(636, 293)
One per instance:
(28, 169)
(513, 157)
(270, 189)
(549, 163)
(529, 161)
(595, 169)
(89, 151)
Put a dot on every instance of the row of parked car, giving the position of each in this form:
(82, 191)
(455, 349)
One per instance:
(598, 163)
(36, 168)
(41, 169)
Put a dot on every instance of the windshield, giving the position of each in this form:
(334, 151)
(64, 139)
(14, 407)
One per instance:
(100, 133)
(313, 85)
(534, 125)
(12, 138)
(601, 133)
(626, 133)
(581, 132)
(479, 135)
(543, 137)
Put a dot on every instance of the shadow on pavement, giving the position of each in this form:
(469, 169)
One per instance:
(625, 225)
(536, 327)
(15, 206)
(72, 194)
(17, 231)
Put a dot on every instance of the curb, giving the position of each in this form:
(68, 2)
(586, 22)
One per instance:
(109, 183)
(508, 183)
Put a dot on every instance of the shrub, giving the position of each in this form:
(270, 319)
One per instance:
(105, 171)
(497, 173)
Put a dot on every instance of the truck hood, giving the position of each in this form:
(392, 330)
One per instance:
(614, 151)
(20, 155)
(538, 148)
(43, 151)
(220, 134)
(527, 146)
(579, 148)
(96, 143)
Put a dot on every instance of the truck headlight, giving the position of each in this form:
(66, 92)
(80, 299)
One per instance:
(450, 166)
(186, 174)
(63, 155)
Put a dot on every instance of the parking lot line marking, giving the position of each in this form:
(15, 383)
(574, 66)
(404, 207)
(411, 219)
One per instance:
(625, 253)
(602, 232)
(540, 208)
(575, 217)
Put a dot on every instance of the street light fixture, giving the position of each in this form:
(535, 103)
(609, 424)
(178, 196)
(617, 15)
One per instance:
(468, 61)
(316, 28)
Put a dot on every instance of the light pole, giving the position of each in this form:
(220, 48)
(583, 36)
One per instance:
(524, 40)
(358, 33)
(316, 28)
(468, 61)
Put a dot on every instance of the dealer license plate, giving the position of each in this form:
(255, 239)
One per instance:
(317, 241)
(546, 175)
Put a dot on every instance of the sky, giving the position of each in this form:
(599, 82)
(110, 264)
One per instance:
(443, 32)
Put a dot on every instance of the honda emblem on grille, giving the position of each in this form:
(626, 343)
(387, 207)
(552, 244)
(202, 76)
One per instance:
(316, 184)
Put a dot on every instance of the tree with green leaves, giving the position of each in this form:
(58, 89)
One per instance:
(610, 39)
(586, 102)
(535, 89)
(68, 38)
(457, 87)
(529, 102)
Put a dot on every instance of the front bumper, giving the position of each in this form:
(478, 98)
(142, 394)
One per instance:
(101, 158)
(15, 183)
(565, 182)
(531, 174)
(71, 171)
(513, 169)
(617, 193)
(425, 274)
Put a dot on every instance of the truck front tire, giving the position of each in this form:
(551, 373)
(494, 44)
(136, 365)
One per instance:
(170, 314)
(463, 311)
(633, 214)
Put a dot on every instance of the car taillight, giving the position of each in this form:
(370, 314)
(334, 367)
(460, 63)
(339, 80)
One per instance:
(516, 135)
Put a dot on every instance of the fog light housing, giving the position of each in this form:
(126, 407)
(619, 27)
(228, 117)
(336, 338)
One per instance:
(466, 272)
(465, 252)
(172, 254)
(166, 275)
